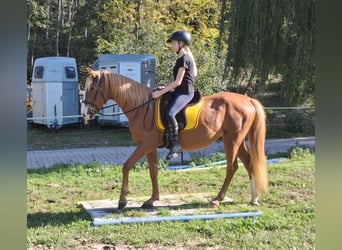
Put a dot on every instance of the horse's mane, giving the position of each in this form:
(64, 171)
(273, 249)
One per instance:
(123, 89)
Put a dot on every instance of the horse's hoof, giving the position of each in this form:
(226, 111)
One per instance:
(147, 205)
(228, 200)
(122, 204)
(214, 203)
(255, 203)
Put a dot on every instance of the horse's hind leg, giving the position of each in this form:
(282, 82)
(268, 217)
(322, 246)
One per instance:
(231, 150)
(229, 175)
(245, 158)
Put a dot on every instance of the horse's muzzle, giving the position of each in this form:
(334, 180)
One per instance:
(87, 112)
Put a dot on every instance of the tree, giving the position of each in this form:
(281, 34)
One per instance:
(268, 38)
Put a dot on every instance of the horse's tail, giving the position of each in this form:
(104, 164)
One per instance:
(256, 141)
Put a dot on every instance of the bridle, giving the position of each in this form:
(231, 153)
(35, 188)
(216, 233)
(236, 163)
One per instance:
(94, 109)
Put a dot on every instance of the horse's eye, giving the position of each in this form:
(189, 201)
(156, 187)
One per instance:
(93, 85)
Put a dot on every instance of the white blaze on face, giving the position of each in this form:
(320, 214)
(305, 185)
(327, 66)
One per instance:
(84, 113)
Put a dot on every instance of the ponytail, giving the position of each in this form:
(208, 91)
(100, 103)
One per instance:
(188, 51)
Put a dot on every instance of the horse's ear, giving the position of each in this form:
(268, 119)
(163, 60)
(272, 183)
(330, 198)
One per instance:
(90, 71)
(93, 73)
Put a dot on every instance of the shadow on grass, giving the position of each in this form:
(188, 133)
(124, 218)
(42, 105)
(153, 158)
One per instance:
(42, 219)
(169, 209)
(196, 205)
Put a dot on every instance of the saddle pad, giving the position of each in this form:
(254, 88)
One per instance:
(192, 113)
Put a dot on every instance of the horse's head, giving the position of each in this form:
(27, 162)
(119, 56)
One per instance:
(95, 96)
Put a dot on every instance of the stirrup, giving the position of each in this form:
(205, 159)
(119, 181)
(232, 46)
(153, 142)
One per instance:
(171, 155)
(174, 151)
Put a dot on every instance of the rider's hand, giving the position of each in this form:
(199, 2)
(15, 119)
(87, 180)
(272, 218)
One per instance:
(156, 94)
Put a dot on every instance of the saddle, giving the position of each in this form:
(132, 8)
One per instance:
(187, 118)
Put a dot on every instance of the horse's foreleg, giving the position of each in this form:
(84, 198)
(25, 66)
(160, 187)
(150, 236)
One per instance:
(136, 156)
(153, 168)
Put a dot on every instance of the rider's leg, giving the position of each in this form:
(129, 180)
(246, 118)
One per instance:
(176, 105)
(174, 145)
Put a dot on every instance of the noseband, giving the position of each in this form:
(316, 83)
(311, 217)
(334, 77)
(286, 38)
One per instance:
(93, 109)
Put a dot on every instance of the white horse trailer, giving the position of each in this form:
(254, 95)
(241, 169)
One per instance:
(140, 68)
(55, 97)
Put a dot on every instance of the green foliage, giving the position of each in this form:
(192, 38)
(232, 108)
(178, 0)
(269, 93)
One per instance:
(300, 153)
(234, 42)
(267, 38)
(198, 159)
(163, 164)
(134, 27)
(299, 121)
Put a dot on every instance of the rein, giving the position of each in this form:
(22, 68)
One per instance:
(123, 113)
(150, 99)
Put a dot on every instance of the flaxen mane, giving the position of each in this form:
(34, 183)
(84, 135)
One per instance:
(125, 90)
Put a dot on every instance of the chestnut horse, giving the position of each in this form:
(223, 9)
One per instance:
(225, 115)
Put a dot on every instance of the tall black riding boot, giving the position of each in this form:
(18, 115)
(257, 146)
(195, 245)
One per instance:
(175, 148)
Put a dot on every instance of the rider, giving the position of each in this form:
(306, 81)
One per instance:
(182, 88)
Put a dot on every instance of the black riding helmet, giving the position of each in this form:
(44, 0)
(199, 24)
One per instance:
(180, 35)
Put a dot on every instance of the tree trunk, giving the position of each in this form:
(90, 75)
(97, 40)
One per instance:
(71, 19)
(59, 25)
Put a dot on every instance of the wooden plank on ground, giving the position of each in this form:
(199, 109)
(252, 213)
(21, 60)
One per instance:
(178, 207)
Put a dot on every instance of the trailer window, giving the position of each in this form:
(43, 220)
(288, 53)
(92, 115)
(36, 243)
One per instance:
(70, 72)
(39, 72)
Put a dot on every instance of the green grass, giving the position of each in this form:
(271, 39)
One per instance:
(41, 138)
(55, 219)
